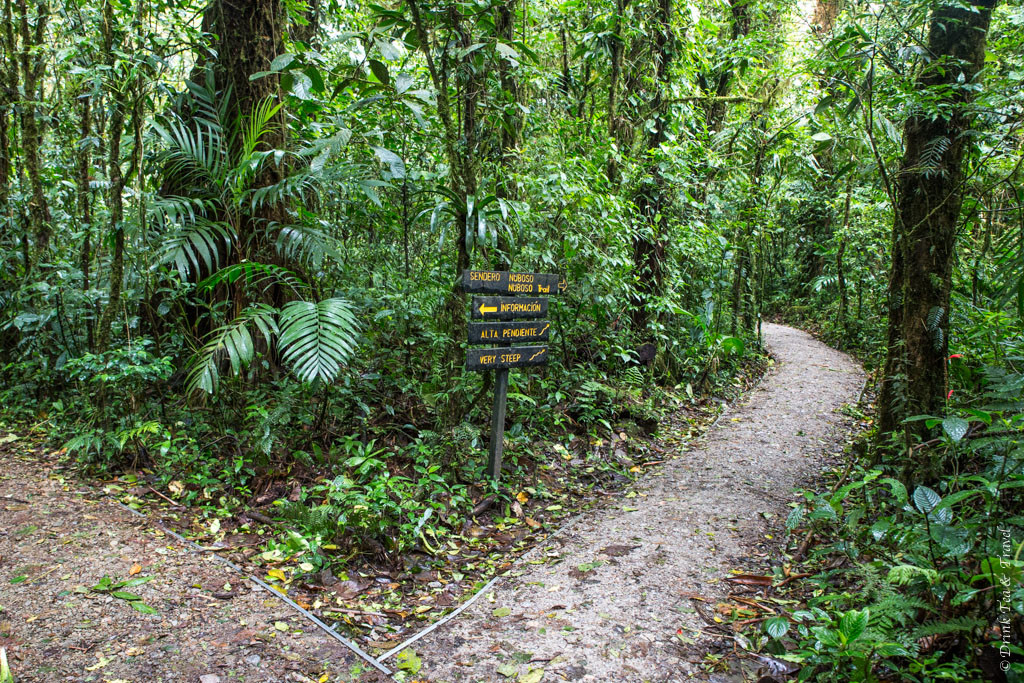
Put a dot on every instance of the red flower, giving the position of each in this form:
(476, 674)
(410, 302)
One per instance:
(956, 355)
(949, 395)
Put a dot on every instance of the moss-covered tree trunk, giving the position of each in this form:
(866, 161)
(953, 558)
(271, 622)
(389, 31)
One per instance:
(929, 196)
(249, 35)
(8, 86)
(652, 199)
(33, 65)
(115, 178)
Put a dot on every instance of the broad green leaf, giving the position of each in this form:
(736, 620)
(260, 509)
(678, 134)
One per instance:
(407, 660)
(955, 428)
(125, 595)
(532, 676)
(282, 62)
(380, 70)
(776, 627)
(853, 624)
(954, 540)
(925, 499)
(509, 669)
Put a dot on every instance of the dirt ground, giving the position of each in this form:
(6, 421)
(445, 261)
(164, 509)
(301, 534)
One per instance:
(608, 599)
(58, 542)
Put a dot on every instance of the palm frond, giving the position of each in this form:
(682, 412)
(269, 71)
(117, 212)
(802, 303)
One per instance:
(198, 245)
(291, 187)
(233, 340)
(263, 275)
(305, 244)
(317, 338)
(194, 153)
(258, 125)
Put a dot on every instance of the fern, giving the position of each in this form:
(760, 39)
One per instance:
(931, 156)
(902, 574)
(138, 431)
(633, 377)
(321, 520)
(962, 624)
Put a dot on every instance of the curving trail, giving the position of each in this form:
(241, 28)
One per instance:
(615, 618)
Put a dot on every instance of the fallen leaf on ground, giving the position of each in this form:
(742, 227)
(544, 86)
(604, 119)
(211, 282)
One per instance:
(750, 579)
(532, 676)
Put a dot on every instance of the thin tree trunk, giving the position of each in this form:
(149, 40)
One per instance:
(6, 131)
(844, 301)
(615, 48)
(85, 205)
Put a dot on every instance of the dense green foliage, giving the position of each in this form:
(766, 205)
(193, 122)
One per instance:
(229, 257)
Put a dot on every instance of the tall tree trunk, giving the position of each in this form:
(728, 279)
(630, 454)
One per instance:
(652, 199)
(85, 205)
(7, 91)
(719, 84)
(929, 196)
(844, 299)
(512, 123)
(247, 42)
(816, 216)
(716, 87)
(462, 178)
(33, 63)
(115, 192)
(615, 48)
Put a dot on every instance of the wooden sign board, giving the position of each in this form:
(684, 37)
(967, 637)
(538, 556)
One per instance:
(503, 358)
(504, 282)
(505, 333)
(507, 307)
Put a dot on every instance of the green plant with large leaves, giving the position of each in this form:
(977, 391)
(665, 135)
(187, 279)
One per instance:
(222, 215)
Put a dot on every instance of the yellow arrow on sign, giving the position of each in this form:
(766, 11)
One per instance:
(488, 309)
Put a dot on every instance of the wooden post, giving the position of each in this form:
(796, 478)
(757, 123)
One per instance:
(497, 425)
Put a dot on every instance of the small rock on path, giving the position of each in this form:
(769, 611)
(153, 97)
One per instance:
(607, 600)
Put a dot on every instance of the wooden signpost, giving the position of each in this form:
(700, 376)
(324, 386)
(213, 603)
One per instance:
(503, 356)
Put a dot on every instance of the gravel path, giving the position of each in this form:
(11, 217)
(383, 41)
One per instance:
(58, 541)
(603, 600)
